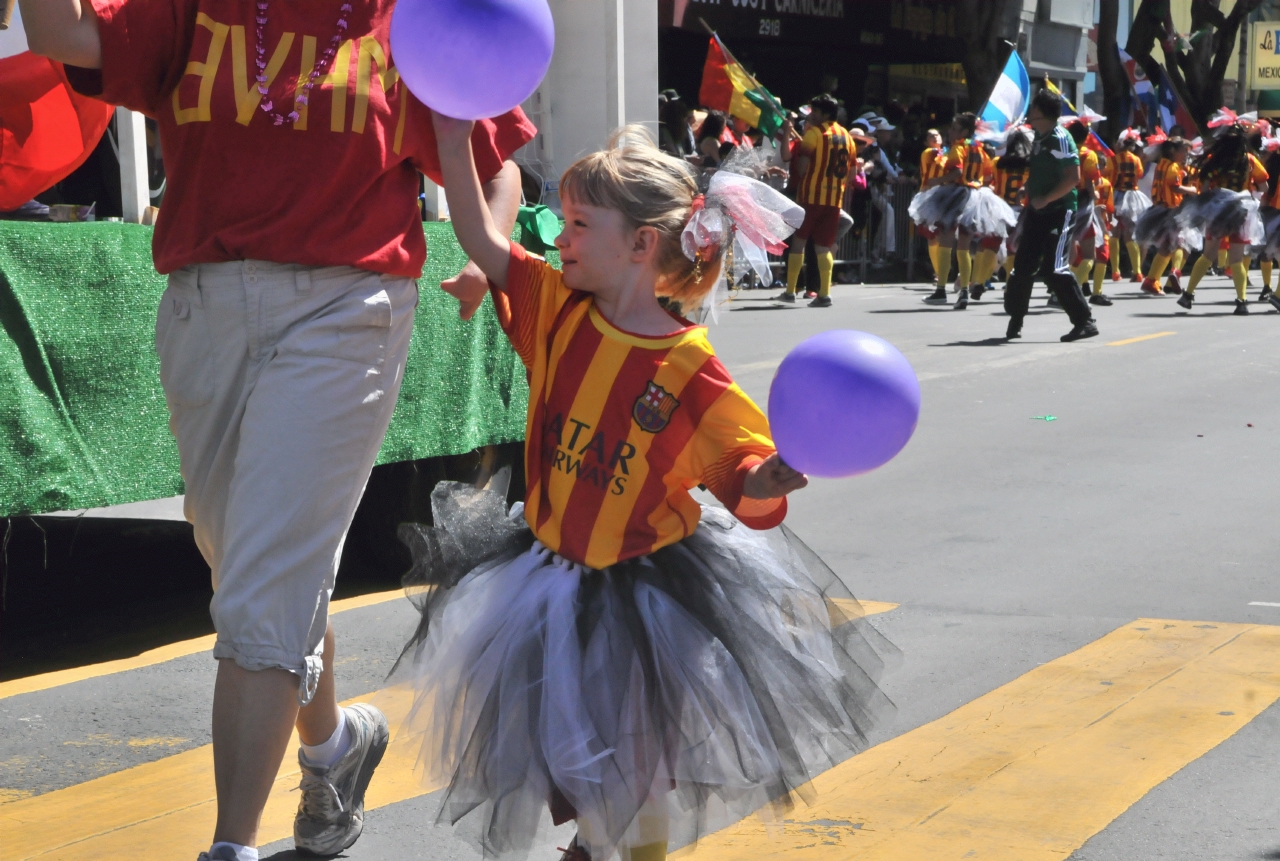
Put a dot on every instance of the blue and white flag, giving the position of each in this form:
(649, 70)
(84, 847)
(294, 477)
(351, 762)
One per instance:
(1007, 104)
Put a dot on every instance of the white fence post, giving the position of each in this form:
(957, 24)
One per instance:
(135, 190)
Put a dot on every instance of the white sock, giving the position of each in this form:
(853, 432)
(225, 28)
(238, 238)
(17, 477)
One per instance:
(327, 753)
(243, 853)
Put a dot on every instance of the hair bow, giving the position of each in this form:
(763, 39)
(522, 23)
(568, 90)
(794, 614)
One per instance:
(748, 220)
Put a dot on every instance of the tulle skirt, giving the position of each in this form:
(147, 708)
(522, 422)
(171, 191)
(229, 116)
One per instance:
(1219, 214)
(1130, 205)
(1270, 248)
(978, 211)
(724, 672)
(1160, 228)
(1086, 227)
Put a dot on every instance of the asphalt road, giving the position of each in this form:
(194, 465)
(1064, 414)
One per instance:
(1008, 542)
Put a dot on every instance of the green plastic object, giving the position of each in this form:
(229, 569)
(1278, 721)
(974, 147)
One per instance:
(539, 227)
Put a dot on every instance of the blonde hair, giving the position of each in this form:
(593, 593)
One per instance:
(651, 189)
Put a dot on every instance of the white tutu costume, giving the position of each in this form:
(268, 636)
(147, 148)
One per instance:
(1270, 247)
(613, 650)
(1130, 205)
(1220, 213)
(977, 211)
(730, 668)
(1160, 227)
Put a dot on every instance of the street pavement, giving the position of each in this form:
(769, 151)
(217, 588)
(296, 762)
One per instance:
(1088, 612)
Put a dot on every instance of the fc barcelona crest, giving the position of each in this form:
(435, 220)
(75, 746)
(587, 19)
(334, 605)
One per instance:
(653, 409)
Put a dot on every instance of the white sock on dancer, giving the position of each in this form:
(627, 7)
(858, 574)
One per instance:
(243, 853)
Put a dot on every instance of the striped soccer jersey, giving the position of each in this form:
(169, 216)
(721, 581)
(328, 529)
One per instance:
(622, 426)
(1128, 171)
(933, 164)
(1234, 179)
(831, 157)
(1169, 177)
(1009, 182)
(971, 160)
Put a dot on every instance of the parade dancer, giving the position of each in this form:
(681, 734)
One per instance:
(1045, 239)
(1010, 177)
(1269, 252)
(644, 665)
(1159, 226)
(963, 207)
(1226, 208)
(825, 159)
(1105, 201)
(1087, 233)
(1130, 201)
(933, 162)
(291, 240)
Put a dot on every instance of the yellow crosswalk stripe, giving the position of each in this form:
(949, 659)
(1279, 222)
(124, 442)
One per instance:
(1028, 771)
(1033, 769)
(45, 681)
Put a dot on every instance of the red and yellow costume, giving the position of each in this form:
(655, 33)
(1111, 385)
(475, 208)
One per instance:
(621, 427)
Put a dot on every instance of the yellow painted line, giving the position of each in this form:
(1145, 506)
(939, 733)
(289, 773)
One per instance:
(44, 681)
(1032, 770)
(168, 806)
(1139, 338)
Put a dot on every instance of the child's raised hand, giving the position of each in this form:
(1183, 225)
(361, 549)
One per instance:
(451, 132)
(771, 479)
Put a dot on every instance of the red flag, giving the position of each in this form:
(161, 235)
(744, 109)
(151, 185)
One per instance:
(47, 129)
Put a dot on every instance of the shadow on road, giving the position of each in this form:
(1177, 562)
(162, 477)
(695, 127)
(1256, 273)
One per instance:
(986, 342)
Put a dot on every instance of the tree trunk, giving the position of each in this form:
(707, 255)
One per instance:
(979, 24)
(1111, 74)
(1196, 75)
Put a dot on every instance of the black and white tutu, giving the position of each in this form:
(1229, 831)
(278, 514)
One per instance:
(1130, 205)
(1220, 213)
(1160, 228)
(1270, 247)
(725, 672)
(1085, 219)
(977, 211)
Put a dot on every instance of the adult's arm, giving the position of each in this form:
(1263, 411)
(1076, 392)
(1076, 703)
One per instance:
(1070, 179)
(63, 30)
(502, 196)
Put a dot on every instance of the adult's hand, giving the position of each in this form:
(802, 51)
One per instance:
(1038, 202)
(469, 287)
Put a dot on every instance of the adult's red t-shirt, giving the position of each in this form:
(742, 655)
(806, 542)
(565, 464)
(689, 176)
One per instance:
(339, 187)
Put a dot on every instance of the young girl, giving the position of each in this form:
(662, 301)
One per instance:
(1226, 209)
(645, 665)
(961, 208)
(1131, 203)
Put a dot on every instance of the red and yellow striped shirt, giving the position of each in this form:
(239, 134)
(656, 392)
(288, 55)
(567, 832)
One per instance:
(622, 426)
(933, 164)
(1128, 171)
(1008, 184)
(1170, 176)
(971, 160)
(831, 157)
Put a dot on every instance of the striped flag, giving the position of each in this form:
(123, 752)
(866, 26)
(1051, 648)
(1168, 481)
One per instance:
(1007, 104)
(728, 87)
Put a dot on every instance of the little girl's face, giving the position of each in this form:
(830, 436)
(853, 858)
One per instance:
(595, 246)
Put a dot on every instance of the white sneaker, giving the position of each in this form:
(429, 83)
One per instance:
(331, 812)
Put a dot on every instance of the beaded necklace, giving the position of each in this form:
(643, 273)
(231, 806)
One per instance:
(304, 91)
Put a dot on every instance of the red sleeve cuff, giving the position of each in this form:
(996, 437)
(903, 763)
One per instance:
(733, 499)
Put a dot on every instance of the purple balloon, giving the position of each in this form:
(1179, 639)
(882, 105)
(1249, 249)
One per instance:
(843, 403)
(472, 59)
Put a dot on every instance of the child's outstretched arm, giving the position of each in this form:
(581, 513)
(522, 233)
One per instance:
(472, 220)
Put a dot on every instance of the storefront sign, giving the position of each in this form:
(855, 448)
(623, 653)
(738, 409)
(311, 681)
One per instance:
(1264, 55)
